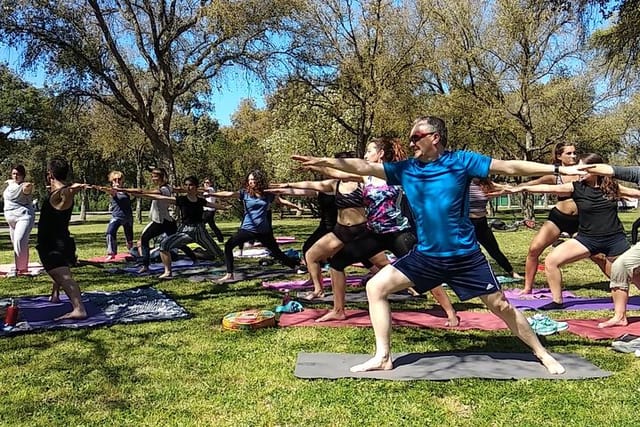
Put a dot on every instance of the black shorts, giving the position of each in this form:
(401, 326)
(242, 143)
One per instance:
(347, 233)
(612, 245)
(566, 223)
(60, 253)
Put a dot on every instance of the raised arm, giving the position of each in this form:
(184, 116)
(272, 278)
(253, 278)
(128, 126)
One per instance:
(546, 179)
(27, 188)
(223, 194)
(153, 194)
(284, 202)
(525, 168)
(63, 198)
(355, 166)
(627, 192)
(335, 173)
(324, 186)
(292, 192)
(559, 189)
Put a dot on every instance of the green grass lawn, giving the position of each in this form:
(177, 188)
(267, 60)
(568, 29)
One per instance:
(192, 373)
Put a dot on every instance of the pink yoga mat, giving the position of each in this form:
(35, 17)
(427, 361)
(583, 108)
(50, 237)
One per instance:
(117, 258)
(415, 319)
(34, 268)
(306, 284)
(586, 328)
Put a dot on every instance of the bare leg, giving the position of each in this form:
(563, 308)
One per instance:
(327, 246)
(165, 256)
(338, 285)
(620, 298)
(443, 299)
(517, 323)
(547, 234)
(565, 253)
(62, 276)
(387, 281)
(55, 293)
(226, 277)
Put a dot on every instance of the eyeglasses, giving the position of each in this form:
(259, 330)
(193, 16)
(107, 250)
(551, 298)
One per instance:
(418, 136)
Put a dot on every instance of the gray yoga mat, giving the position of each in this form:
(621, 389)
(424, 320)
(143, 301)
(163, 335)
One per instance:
(446, 366)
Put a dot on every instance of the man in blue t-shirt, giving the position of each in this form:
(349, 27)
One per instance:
(436, 183)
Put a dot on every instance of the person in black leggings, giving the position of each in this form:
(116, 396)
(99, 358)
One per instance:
(256, 222)
(478, 189)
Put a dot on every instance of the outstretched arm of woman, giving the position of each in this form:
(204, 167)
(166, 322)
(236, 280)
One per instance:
(354, 166)
(292, 192)
(285, 202)
(222, 194)
(325, 186)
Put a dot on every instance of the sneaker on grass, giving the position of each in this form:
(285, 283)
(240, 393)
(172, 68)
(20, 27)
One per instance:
(544, 325)
(628, 343)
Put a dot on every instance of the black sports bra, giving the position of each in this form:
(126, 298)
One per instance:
(349, 200)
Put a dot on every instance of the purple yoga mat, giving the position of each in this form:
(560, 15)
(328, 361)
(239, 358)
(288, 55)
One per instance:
(542, 297)
(306, 283)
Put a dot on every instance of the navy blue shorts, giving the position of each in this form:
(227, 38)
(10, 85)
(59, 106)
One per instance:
(613, 245)
(469, 276)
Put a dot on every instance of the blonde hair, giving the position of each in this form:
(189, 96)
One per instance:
(115, 174)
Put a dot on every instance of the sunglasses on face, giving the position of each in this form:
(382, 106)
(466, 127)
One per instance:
(418, 136)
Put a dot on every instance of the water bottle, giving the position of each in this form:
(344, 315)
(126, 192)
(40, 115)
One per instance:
(286, 297)
(11, 317)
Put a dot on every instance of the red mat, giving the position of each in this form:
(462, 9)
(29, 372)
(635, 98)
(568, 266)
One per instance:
(415, 319)
(117, 258)
(586, 328)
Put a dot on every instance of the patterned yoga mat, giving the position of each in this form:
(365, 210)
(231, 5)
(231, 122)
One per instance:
(143, 304)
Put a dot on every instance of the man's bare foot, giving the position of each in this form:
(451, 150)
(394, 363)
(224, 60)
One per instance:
(77, 314)
(452, 321)
(310, 296)
(552, 365)
(143, 269)
(165, 275)
(227, 277)
(614, 321)
(376, 363)
(525, 291)
(332, 315)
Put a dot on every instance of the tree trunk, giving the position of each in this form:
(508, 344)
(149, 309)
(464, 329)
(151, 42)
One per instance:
(528, 211)
(139, 185)
(84, 204)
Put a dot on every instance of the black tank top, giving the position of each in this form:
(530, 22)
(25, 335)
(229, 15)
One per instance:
(349, 200)
(53, 224)
(597, 215)
(327, 210)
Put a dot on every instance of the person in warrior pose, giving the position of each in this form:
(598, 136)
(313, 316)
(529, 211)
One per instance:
(56, 247)
(436, 183)
(20, 216)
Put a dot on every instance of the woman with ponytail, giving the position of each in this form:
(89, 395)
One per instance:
(599, 228)
(389, 227)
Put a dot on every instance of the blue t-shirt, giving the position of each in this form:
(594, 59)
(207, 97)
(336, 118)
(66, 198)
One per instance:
(257, 216)
(438, 193)
(121, 206)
